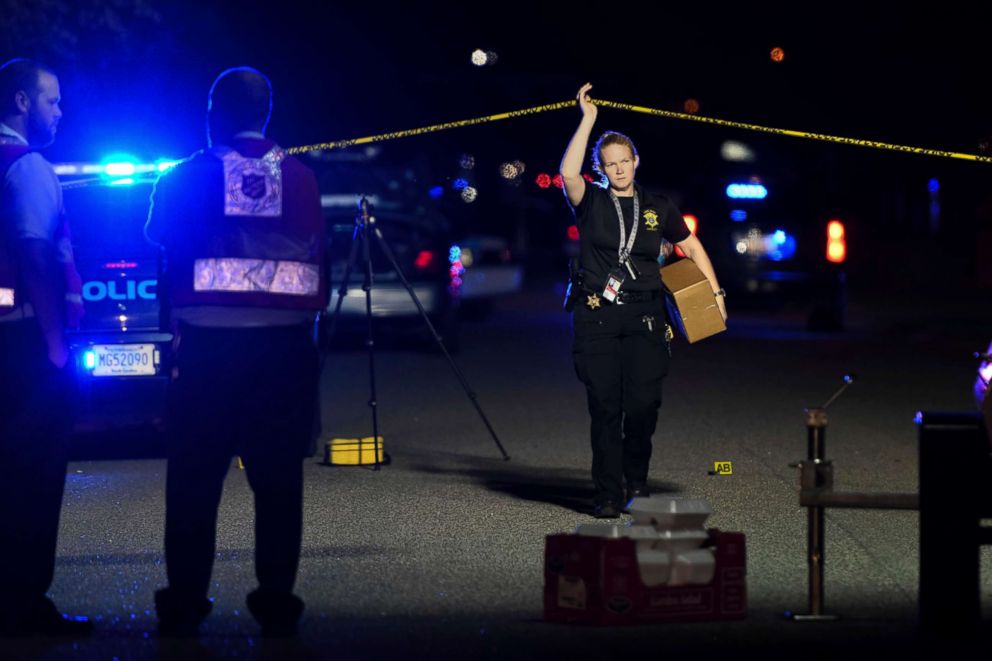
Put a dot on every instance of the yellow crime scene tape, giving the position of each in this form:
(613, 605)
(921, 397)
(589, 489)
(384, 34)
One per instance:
(431, 129)
(857, 142)
(424, 130)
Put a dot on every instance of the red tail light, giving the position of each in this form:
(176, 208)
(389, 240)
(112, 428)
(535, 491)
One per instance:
(836, 242)
(424, 260)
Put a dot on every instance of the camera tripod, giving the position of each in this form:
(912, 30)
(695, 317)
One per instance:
(365, 230)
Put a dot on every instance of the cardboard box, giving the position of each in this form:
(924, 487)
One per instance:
(697, 315)
(354, 451)
(596, 580)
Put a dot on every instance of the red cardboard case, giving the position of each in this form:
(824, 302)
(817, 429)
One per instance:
(595, 580)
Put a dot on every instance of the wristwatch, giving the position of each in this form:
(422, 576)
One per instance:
(721, 292)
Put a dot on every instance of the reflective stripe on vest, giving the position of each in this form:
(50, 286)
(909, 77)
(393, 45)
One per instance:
(234, 274)
(6, 297)
(252, 186)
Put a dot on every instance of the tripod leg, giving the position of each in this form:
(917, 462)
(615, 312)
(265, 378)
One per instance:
(359, 241)
(437, 338)
(370, 343)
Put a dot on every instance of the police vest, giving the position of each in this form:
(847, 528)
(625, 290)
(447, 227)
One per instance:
(9, 285)
(255, 241)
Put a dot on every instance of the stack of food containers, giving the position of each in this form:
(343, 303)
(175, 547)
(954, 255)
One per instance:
(669, 536)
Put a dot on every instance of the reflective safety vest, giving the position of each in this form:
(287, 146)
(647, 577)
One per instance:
(10, 286)
(9, 296)
(255, 241)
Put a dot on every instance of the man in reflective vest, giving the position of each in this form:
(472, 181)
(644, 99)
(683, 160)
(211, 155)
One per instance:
(243, 236)
(35, 370)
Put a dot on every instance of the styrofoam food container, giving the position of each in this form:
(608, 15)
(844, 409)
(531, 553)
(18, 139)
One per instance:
(695, 567)
(667, 513)
(645, 537)
(677, 541)
(654, 566)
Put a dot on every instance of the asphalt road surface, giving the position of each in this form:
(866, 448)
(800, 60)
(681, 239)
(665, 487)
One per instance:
(440, 553)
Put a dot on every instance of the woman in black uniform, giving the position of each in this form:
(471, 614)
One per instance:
(621, 349)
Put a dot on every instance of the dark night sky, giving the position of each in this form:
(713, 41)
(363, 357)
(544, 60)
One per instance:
(365, 68)
(362, 69)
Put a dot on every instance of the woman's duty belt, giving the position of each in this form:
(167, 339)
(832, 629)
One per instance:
(625, 297)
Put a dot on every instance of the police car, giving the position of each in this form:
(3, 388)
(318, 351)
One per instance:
(778, 251)
(120, 352)
(776, 238)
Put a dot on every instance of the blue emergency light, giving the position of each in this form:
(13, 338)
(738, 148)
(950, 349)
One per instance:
(119, 169)
(747, 192)
(783, 246)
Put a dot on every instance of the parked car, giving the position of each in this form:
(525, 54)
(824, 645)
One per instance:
(453, 274)
(420, 246)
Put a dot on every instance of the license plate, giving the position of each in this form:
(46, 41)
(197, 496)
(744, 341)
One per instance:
(124, 359)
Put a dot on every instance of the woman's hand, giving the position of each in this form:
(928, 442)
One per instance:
(588, 108)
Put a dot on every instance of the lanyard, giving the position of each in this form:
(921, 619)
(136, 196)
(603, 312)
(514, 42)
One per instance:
(624, 250)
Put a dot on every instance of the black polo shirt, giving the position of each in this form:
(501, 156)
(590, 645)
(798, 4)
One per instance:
(599, 235)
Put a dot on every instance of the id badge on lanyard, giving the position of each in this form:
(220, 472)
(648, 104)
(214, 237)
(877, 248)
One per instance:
(616, 277)
(613, 283)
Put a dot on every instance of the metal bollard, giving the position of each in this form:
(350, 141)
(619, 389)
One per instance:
(816, 493)
(815, 473)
